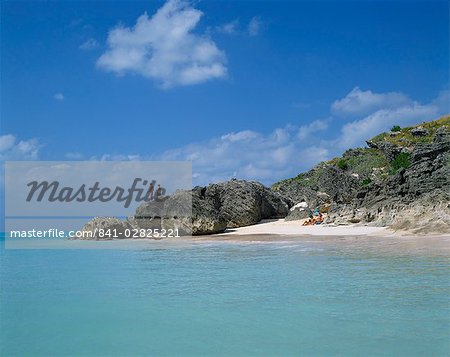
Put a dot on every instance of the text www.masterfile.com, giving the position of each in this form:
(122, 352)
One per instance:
(96, 233)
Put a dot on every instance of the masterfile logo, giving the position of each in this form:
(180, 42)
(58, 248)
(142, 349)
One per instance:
(55, 192)
(66, 194)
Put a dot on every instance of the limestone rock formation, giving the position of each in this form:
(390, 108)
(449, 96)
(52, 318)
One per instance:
(420, 131)
(148, 215)
(242, 203)
(299, 211)
(401, 181)
(212, 209)
(105, 228)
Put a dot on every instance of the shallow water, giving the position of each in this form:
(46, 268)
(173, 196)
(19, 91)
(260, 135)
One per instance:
(289, 297)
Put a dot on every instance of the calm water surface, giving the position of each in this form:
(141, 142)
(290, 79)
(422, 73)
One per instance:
(224, 298)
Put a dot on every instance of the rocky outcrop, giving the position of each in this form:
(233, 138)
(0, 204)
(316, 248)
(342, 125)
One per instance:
(207, 210)
(206, 216)
(105, 228)
(148, 215)
(390, 150)
(402, 180)
(177, 213)
(298, 212)
(416, 198)
(321, 186)
(420, 131)
(193, 212)
(242, 203)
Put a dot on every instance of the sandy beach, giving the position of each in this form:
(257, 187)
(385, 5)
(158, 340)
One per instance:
(282, 227)
(350, 239)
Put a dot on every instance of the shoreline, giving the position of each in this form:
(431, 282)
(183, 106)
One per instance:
(344, 239)
(282, 227)
(349, 238)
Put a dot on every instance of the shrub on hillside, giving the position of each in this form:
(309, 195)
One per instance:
(366, 181)
(402, 160)
(342, 164)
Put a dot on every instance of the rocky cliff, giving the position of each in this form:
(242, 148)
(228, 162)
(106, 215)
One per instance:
(401, 179)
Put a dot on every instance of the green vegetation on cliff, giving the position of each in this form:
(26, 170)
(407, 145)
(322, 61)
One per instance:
(387, 153)
(400, 180)
(405, 136)
(363, 163)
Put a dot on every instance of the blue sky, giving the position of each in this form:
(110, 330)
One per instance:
(255, 90)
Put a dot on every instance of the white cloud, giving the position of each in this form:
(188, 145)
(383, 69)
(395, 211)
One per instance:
(7, 142)
(310, 130)
(230, 28)
(58, 96)
(442, 101)
(254, 26)
(356, 132)
(120, 157)
(359, 102)
(12, 149)
(164, 48)
(89, 44)
(244, 135)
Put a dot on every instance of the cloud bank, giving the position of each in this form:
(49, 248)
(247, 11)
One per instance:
(390, 109)
(247, 154)
(359, 102)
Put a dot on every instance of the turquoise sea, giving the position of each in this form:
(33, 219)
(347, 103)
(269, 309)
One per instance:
(294, 297)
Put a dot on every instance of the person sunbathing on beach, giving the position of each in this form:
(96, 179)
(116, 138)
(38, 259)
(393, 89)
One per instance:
(310, 222)
(313, 220)
(319, 219)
